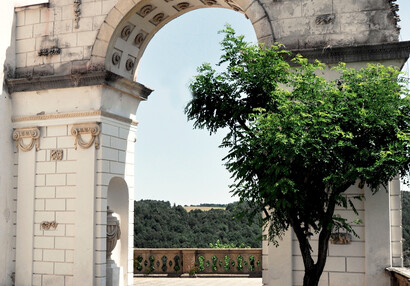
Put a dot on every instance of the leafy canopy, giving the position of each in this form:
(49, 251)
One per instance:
(296, 140)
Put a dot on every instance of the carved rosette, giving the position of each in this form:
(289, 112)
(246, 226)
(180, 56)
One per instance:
(80, 130)
(33, 134)
(113, 232)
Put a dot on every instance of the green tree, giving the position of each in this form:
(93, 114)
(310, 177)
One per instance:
(297, 141)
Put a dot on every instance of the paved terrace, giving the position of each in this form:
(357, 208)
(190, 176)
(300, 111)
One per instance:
(199, 281)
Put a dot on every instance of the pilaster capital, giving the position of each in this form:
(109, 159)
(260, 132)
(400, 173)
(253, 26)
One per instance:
(92, 129)
(31, 133)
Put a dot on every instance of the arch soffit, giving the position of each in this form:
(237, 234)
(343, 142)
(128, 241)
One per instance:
(130, 25)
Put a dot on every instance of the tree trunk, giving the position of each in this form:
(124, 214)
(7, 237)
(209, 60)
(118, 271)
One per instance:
(311, 277)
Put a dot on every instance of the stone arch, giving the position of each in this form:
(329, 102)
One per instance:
(118, 201)
(129, 27)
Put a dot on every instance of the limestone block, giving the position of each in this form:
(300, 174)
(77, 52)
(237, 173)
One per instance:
(43, 242)
(395, 217)
(109, 154)
(65, 192)
(21, 60)
(71, 179)
(105, 32)
(72, 54)
(69, 256)
(66, 142)
(262, 28)
(100, 49)
(60, 130)
(117, 168)
(284, 10)
(43, 267)
(20, 18)
(24, 32)
(38, 254)
(53, 255)
(67, 12)
(53, 280)
(32, 16)
(91, 9)
(69, 281)
(124, 6)
(63, 268)
(43, 29)
(316, 8)
(337, 264)
(45, 192)
(48, 143)
(56, 179)
(65, 217)
(69, 230)
(107, 6)
(66, 167)
(39, 204)
(55, 205)
(355, 264)
(101, 205)
(62, 27)
(291, 27)
(396, 233)
(298, 278)
(355, 249)
(346, 279)
(255, 12)
(46, 15)
(114, 17)
(86, 38)
(64, 243)
(98, 20)
(46, 167)
(26, 45)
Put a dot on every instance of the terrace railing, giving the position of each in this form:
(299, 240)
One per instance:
(192, 261)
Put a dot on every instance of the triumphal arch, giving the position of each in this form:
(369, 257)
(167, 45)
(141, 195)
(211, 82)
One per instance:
(67, 114)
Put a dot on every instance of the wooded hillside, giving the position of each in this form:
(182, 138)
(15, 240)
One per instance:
(158, 225)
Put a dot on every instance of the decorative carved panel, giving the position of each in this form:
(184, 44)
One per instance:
(126, 31)
(56, 155)
(140, 38)
(82, 130)
(158, 18)
(48, 225)
(77, 13)
(144, 11)
(33, 134)
(181, 6)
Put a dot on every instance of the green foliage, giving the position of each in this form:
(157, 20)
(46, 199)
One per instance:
(158, 225)
(406, 227)
(297, 141)
(218, 244)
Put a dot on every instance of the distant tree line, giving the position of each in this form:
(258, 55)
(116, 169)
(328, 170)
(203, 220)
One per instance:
(406, 227)
(157, 224)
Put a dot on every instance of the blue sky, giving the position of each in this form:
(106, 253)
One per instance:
(174, 162)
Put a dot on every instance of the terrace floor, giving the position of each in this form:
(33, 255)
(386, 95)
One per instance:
(199, 281)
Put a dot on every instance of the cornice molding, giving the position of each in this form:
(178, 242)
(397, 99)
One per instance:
(74, 115)
(91, 78)
(363, 53)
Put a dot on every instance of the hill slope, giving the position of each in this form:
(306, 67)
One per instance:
(158, 225)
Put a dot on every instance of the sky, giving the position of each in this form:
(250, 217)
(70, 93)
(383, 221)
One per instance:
(174, 162)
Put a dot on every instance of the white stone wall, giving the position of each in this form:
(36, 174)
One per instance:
(55, 195)
(115, 159)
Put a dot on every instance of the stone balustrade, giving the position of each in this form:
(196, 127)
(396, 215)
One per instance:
(180, 261)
